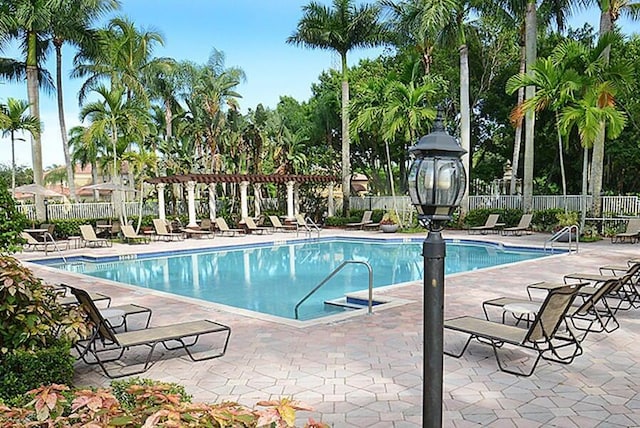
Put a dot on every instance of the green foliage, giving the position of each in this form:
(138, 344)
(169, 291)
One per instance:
(22, 371)
(121, 390)
(68, 227)
(30, 317)
(150, 404)
(545, 220)
(12, 222)
(510, 217)
(568, 218)
(337, 221)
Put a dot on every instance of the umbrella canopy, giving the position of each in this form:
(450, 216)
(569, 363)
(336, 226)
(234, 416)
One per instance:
(36, 189)
(109, 187)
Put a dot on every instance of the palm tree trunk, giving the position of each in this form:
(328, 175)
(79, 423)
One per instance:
(530, 117)
(517, 141)
(465, 123)
(346, 161)
(63, 126)
(597, 160)
(34, 109)
(561, 156)
(13, 164)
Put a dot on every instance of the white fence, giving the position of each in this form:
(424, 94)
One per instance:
(89, 210)
(611, 205)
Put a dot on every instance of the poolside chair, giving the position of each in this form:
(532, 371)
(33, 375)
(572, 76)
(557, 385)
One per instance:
(197, 232)
(48, 244)
(224, 228)
(524, 225)
(366, 219)
(625, 292)
(542, 336)
(252, 227)
(117, 316)
(206, 224)
(592, 313)
(106, 345)
(278, 226)
(90, 239)
(131, 237)
(491, 225)
(162, 232)
(631, 233)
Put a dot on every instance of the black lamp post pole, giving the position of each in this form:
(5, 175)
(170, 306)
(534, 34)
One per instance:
(433, 251)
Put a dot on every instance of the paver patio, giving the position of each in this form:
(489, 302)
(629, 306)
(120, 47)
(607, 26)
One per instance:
(366, 371)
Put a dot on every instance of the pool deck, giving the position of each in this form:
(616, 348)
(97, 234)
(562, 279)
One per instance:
(366, 370)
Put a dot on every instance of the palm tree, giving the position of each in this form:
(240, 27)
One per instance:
(14, 118)
(71, 23)
(555, 88)
(87, 151)
(610, 11)
(340, 28)
(117, 119)
(28, 22)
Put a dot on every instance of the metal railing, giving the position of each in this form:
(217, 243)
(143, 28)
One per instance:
(55, 245)
(308, 225)
(332, 274)
(571, 232)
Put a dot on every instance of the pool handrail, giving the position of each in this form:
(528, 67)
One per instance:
(332, 274)
(308, 223)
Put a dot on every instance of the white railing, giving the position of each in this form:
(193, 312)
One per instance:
(88, 210)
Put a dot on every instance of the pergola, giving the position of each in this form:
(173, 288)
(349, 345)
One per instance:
(244, 180)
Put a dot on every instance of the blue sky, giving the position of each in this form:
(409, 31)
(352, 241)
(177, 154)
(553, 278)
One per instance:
(251, 34)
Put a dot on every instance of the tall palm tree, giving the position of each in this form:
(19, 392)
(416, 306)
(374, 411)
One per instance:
(28, 22)
(340, 28)
(610, 11)
(71, 24)
(555, 88)
(14, 118)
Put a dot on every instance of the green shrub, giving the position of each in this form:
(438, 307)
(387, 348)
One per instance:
(510, 217)
(12, 222)
(22, 371)
(122, 390)
(337, 221)
(546, 220)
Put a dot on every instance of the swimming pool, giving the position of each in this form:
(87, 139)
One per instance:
(272, 278)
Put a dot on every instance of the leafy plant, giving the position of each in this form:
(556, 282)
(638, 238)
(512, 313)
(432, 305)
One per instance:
(568, 218)
(390, 217)
(12, 222)
(152, 404)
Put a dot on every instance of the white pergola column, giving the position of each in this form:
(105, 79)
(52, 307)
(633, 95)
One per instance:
(296, 198)
(161, 208)
(212, 201)
(290, 212)
(244, 209)
(331, 206)
(191, 201)
(256, 199)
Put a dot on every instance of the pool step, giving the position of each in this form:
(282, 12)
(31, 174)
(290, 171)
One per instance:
(349, 302)
(344, 303)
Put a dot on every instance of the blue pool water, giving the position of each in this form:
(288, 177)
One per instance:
(272, 279)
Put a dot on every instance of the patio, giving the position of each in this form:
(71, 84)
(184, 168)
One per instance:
(366, 371)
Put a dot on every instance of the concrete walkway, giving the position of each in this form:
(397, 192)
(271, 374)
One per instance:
(366, 371)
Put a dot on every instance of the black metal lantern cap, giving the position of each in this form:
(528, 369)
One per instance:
(437, 178)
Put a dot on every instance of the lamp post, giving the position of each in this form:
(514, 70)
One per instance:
(437, 183)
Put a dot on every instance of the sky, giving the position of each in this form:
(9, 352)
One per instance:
(252, 35)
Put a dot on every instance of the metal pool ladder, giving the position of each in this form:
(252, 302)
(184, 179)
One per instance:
(332, 274)
(55, 245)
(569, 231)
(308, 225)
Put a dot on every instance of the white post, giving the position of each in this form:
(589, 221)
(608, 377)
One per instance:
(191, 201)
(244, 209)
(296, 199)
(256, 199)
(331, 207)
(161, 207)
(212, 201)
(290, 213)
